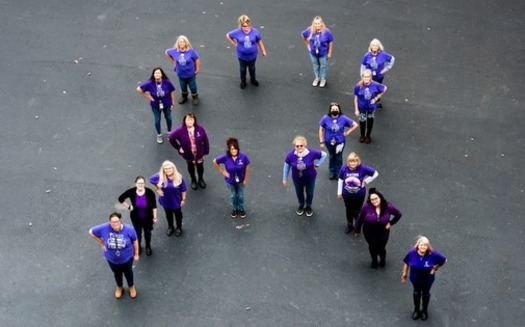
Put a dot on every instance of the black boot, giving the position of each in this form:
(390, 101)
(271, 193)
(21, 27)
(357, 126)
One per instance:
(362, 129)
(417, 303)
(195, 100)
(200, 173)
(426, 300)
(184, 98)
(382, 258)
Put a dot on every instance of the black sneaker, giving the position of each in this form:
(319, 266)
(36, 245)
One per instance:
(309, 211)
(234, 213)
(170, 231)
(349, 229)
(242, 213)
(299, 211)
(243, 85)
(178, 232)
(254, 82)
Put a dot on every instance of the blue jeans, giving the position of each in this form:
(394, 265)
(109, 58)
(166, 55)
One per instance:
(251, 68)
(320, 66)
(302, 187)
(335, 160)
(156, 117)
(123, 268)
(236, 195)
(190, 82)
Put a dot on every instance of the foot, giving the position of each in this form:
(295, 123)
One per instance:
(242, 213)
(195, 102)
(243, 85)
(159, 139)
(254, 82)
(323, 83)
(416, 314)
(309, 211)
(332, 177)
(315, 82)
(424, 315)
(183, 100)
(382, 263)
(349, 229)
(202, 183)
(368, 139)
(234, 213)
(299, 211)
(361, 139)
(379, 105)
(194, 185)
(170, 231)
(132, 292)
(149, 252)
(178, 232)
(118, 292)
(373, 265)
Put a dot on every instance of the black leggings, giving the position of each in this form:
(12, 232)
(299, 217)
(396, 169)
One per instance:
(421, 292)
(139, 227)
(191, 170)
(178, 216)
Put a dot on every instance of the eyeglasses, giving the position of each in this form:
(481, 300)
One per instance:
(299, 145)
(245, 25)
(353, 160)
(374, 199)
(367, 76)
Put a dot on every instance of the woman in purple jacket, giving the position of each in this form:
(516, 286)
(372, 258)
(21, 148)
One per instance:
(191, 141)
(377, 217)
(302, 162)
(423, 262)
(160, 92)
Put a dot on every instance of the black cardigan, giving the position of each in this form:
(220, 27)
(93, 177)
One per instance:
(151, 203)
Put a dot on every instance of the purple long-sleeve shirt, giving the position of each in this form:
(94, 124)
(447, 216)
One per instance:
(368, 215)
(180, 138)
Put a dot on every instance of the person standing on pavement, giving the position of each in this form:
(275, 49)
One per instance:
(378, 61)
(187, 65)
(320, 43)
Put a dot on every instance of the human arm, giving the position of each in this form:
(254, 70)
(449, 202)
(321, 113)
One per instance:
(352, 128)
(362, 69)
(321, 160)
(170, 58)
(126, 195)
(144, 94)
(340, 188)
(232, 41)
(378, 96)
(393, 211)
(330, 48)
(136, 249)
(261, 46)
(182, 198)
(197, 66)
(246, 175)
(388, 65)
(369, 179)
(438, 265)
(321, 136)
(404, 274)
(356, 106)
(98, 239)
(286, 172)
(223, 172)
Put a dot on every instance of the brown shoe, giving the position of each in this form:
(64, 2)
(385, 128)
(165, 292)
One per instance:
(118, 292)
(368, 139)
(361, 139)
(132, 292)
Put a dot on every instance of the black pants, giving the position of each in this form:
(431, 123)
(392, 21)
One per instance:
(421, 292)
(250, 64)
(353, 205)
(178, 216)
(191, 170)
(376, 235)
(125, 269)
(141, 227)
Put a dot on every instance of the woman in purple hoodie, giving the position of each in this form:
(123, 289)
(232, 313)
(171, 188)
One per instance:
(191, 142)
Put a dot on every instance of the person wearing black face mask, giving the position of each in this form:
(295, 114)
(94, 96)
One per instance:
(333, 129)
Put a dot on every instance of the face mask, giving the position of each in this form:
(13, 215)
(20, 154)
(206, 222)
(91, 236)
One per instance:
(334, 113)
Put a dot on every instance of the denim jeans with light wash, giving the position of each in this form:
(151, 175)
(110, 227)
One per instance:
(301, 188)
(156, 117)
(251, 68)
(125, 269)
(236, 195)
(190, 82)
(320, 66)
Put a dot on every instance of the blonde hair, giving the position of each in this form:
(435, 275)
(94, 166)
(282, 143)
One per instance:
(244, 19)
(163, 178)
(424, 240)
(376, 42)
(312, 27)
(365, 72)
(299, 138)
(183, 38)
(353, 155)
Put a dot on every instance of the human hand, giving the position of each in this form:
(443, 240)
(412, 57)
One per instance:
(181, 151)
(155, 220)
(388, 226)
(136, 257)
(226, 173)
(160, 192)
(357, 113)
(340, 196)
(285, 183)
(403, 278)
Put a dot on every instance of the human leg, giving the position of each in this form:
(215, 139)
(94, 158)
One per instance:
(316, 65)
(117, 273)
(191, 171)
(200, 174)
(299, 192)
(147, 238)
(156, 119)
(167, 115)
(416, 296)
(331, 160)
(251, 69)
(178, 221)
(425, 295)
(183, 82)
(369, 125)
(242, 71)
(169, 217)
(323, 68)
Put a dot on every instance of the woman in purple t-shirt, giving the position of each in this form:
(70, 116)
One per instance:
(423, 262)
(171, 188)
(246, 39)
(366, 95)
(378, 61)
(236, 171)
(160, 92)
(187, 65)
(320, 42)
(120, 248)
(302, 162)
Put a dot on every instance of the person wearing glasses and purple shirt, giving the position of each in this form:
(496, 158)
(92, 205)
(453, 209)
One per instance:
(303, 162)
(366, 95)
(246, 39)
(378, 61)
(320, 42)
(160, 92)
(332, 135)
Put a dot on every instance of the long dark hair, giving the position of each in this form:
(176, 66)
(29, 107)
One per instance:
(152, 77)
(382, 204)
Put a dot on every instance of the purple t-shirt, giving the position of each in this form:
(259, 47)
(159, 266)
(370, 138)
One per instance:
(236, 168)
(141, 204)
(247, 47)
(303, 169)
(119, 245)
(366, 93)
(319, 41)
(420, 266)
(172, 197)
(352, 179)
(184, 61)
(376, 63)
(334, 128)
(159, 91)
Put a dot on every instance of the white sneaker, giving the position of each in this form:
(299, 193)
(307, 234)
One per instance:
(323, 83)
(159, 139)
(315, 82)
